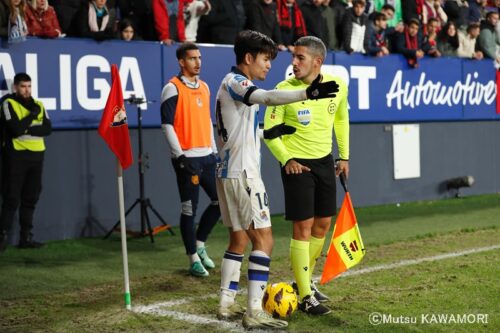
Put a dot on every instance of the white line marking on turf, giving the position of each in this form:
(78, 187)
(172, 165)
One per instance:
(419, 261)
(159, 308)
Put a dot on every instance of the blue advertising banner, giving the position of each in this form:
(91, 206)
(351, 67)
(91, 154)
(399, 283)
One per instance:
(72, 78)
(387, 89)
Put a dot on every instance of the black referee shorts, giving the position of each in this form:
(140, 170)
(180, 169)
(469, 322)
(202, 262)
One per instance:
(310, 193)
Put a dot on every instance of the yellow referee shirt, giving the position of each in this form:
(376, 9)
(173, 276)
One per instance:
(314, 121)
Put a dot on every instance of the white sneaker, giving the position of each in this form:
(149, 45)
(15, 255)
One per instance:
(234, 311)
(262, 319)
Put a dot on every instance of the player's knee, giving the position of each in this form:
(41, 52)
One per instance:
(187, 208)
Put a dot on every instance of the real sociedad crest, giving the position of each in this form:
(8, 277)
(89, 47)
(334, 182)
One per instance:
(304, 117)
(119, 116)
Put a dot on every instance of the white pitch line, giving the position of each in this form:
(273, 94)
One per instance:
(159, 308)
(419, 261)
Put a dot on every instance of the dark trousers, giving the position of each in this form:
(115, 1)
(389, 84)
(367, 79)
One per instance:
(21, 188)
(189, 191)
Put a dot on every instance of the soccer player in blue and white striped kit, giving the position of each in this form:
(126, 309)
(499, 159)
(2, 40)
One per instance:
(242, 196)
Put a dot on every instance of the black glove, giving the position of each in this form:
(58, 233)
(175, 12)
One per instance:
(186, 165)
(278, 130)
(319, 90)
(35, 110)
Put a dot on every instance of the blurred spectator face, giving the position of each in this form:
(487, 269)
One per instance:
(290, 1)
(389, 14)
(474, 32)
(413, 29)
(326, 3)
(381, 23)
(128, 33)
(40, 4)
(16, 2)
(493, 19)
(267, 2)
(358, 8)
(452, 30)
(100, 3)
(317, 3)
(432, 27)
(191, 63)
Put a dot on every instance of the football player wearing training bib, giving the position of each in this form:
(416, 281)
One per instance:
(186, 123)
(242, 195)
(307, 167)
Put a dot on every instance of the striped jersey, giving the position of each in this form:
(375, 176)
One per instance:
(237, 127)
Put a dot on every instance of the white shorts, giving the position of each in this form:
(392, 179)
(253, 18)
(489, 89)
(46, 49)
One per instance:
(243, 201)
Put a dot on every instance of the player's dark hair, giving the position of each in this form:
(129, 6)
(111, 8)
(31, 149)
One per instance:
(473, 26)
(253, 42)
(184, 48)
(314, 44)
(21, 77)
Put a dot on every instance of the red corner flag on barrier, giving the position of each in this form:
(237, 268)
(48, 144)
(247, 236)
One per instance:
(113, 126)
(346, 247)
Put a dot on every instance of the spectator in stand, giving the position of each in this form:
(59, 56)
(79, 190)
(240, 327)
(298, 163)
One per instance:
(169, 20)
(432, 8)
(193, 10)
(467, 42)
(17, 29)
(292, 24)
(487, 37)
(355, 28)
(94, 20)
(332, 13)
(447, 42)
(377, 40)
(315, 23)
(409, 43)
(262, 17)
(66, 11)
(140, 12)
(225, 20)
(430, 38)
(476, 10)
(457, 11)
(386, 7)
(41, 20)
(412, 9)
(126, 30)
(4, 18)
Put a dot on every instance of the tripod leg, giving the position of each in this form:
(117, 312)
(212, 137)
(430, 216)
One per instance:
(118, 222)
(159, 217)
(149, 225)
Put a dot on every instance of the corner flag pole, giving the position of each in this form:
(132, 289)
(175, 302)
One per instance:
(123, 235)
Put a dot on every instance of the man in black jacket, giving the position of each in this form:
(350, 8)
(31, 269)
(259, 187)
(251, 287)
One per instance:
(26, 123)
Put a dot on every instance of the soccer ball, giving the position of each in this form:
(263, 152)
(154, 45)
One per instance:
(280, 300)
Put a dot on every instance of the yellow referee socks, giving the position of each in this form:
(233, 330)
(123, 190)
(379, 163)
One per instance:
(315, 248)
(299, 257)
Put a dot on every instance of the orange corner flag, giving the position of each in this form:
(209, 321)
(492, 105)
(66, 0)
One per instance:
(113, 126)
(346, 247)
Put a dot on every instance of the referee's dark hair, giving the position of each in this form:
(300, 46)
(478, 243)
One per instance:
(21, 77)
(253, 42)
(181, 51)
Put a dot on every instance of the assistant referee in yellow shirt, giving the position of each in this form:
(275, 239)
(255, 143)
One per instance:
(308, 168)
